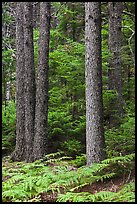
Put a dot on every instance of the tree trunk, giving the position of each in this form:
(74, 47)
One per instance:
(36, 11)
(93, 73)
(73, 23)
(4, 85)
(19, 152)
(115, 69)
(41, 117)
(29, 80)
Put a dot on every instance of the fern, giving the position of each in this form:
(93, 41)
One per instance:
(102, 196)
(128, 187)
(127, 193)
(72, 197)
(56, 160)
(107, 176)
(94, 168)
(78, 187)
(15, 193)
(25, 180)
(85, 197)
(52, 155)
(119, 159)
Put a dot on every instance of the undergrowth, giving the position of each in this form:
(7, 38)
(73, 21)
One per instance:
(55, 173)
(125, 194)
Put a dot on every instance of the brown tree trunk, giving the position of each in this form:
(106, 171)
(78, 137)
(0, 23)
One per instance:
(115, 69)
(19, 152)
(93, 73)
(41, 117)
(29, 80)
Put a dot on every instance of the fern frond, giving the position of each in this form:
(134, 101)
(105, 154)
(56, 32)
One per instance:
(94, 168)
(85, 197)
(119, 159)
(107, 176)
(52, 155)
(78, 187)
(15, 194)
(128, 188)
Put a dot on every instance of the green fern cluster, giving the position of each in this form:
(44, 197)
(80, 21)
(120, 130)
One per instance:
(25, 185)
(126, 194)
(55, 158)
(25, 181)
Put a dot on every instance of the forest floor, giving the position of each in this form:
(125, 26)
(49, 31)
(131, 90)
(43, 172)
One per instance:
(111, 185)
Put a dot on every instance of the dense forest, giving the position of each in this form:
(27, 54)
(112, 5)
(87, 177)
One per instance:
(68, 101)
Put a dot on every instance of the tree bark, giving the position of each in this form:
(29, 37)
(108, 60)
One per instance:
(29, 80)
(19, 152)
(4, 85)
(41, 118)
(115, 69)
(93, 73)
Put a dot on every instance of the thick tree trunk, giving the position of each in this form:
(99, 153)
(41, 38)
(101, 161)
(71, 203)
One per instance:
(29, 80)
(93, 73)
(115, 69)
(19, 153)
(36, 11)
(41, 118)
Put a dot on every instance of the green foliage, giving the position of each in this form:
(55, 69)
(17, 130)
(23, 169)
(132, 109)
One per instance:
(59, 124)
(126, 194)
(70, 18)
(109, 95)
(55, 158)
(8, 126)
(66, 119)
(122, 140)
(82, 197)
(25, 181)
(8, 49)
(121, 164)
(36, 37)
(66, 65)
(123, 159)
(79, 161)
(72, 147)
(62, 127)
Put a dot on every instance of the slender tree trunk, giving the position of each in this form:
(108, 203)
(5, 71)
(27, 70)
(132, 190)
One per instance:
(115, 69)
(128, 84)
(19, 153)
(93, 73)
(29, 80)
(4, 85)
(41, 118)
(73, 24)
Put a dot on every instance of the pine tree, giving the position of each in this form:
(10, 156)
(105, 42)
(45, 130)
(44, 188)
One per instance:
(19, 153)
(115, 69)
(93, 74)
(40, 141)
(29, 80)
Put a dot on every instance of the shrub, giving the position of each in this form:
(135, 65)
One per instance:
(121, 141)
(72, 147)
(8, 126)
(79, 161)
